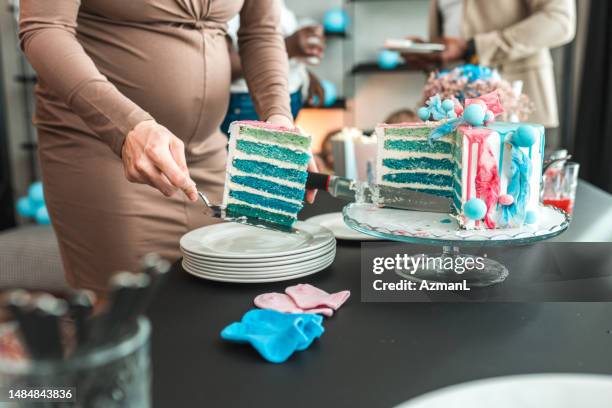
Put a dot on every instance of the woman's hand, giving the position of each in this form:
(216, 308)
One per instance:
(153, 155)
(280, 120)
(306, 42)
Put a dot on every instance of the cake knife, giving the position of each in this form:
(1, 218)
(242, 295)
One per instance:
(385, 196)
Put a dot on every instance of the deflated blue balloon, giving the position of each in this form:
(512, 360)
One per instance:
(275, 335)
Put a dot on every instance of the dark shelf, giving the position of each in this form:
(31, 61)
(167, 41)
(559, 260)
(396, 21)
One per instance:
(330, 34)
(372, 68)
(339, 104)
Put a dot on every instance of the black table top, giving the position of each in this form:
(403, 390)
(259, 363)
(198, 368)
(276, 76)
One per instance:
(372, 354)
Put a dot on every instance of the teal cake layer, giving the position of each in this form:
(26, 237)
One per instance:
(418, 163)
(441, 180)
(277, 137)
(270, 170)
(269, 187)
(269, 202)
(234, 210)
(419, 146)
(273, 152)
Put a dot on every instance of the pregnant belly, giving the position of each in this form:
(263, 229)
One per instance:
(180, 76)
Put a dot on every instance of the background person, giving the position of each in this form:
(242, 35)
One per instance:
(513, 36)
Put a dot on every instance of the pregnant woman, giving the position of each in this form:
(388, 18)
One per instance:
(130, 95)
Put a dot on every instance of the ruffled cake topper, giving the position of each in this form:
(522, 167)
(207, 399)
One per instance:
(472, 81)
(477, 112)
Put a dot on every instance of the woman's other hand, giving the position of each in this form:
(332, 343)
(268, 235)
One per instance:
(280, 120)
(306, 42)
(316, 93)
(153, 155)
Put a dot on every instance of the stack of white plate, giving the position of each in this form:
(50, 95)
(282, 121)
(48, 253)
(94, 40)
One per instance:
(231, 252)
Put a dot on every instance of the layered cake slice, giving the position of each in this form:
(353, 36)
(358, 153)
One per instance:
(266, 172)
(406, 158)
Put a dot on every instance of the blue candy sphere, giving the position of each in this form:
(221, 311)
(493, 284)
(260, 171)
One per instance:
(36, 194)
(331, 94)
(448, 105)
(475, 209)
(42, 216)
(335, 20)
(524, 136)
(531, 217)
(474, 115)
(423, 113)
(388, 59)
(25, 207)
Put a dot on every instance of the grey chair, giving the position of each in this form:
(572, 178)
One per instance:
(30, 259)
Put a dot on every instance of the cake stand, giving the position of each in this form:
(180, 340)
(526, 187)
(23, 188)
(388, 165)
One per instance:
(418, 227)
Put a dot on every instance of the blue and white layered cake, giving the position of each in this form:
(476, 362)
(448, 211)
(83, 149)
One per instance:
(266, 173)
(406, 159)
(490, 170)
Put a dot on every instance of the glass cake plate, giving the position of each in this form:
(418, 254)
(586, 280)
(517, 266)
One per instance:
(430, 228)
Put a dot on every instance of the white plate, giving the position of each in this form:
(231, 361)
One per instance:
(249, 262)
(259, 266)
(261, 280)
(405, 45)
(427, 227)
(239, 241)
(248, 275)
(242, 270)
(522, 391)
(335, 223)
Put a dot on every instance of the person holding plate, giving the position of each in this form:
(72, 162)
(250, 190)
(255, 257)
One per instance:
(514, 36)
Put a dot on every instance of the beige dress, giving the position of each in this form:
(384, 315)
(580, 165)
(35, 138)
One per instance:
(106, 65)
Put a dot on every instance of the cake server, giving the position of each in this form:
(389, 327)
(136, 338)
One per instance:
(219, 211)
(385, 196)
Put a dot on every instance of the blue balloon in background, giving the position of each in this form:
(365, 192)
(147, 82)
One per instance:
(25, 207)
(335, 20)
(331, 94)
(42, 216)
(36, 193)
(388, 59)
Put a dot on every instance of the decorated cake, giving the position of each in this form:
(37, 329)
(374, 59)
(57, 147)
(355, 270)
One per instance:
(266, 172)
(490, 170)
